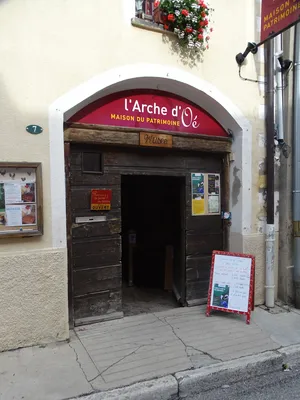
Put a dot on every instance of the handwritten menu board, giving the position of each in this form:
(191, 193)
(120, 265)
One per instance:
(231, 283)
(20, 199)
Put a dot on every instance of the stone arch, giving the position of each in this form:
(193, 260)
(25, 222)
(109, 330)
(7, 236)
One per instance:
(169, 79)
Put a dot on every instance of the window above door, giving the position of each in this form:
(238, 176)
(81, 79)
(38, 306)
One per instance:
(144, 9)
(147, 15)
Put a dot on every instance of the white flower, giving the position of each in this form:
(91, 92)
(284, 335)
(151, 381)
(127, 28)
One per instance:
(191, 44)
(177, 13)
(176, 30)
(190, 37)
(194, 19)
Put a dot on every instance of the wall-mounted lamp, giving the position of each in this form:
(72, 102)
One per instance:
(251, 48)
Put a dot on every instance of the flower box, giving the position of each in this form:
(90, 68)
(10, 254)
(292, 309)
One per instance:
(188, 19)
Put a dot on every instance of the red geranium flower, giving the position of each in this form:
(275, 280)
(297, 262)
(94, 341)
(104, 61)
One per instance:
(189, 30)
(166, 27)
(200, 30)
(156, 3)
(200, 37)
(185, 12)
(202, 23)
(203, 14)
(171, 17)
(205, 22)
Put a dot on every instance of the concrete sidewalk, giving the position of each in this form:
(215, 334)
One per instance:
(117, 353)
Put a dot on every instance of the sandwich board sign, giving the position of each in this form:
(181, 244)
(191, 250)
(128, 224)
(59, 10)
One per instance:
(231, 286)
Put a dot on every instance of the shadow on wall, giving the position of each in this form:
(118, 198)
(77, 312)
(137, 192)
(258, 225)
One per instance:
(188, 56)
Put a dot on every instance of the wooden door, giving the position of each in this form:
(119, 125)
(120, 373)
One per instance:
(203, 234)
(96, 246)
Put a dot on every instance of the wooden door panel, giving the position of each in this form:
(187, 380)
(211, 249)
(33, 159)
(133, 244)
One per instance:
(95, 229)
(97, 304)
(198, 243)
(78, 178)
(92, 280)
(198, 268)
(97, 252)
(197, 290)
(207, 224)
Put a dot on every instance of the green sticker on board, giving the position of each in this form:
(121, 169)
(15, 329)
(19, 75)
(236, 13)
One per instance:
(34, 129)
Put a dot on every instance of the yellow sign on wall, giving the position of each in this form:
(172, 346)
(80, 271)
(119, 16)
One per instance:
(198, 207)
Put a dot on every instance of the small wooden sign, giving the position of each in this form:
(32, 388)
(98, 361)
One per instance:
(156, 140)
(231, 287)
(100, 199)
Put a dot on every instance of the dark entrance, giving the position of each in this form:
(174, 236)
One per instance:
(152, 243)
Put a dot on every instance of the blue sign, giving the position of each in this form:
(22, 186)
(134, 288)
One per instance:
(34, 129)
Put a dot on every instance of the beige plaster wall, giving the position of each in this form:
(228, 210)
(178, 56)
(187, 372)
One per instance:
(49, 47)
(33, 298)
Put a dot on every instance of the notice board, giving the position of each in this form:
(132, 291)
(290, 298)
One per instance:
(231, 286)
(20, 199)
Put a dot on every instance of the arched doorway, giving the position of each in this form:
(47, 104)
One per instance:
(180, 86)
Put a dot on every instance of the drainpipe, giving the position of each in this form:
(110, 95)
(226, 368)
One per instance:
(279, 89)
(296, 166)
(270, 229)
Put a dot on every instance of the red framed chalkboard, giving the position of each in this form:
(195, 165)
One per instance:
(231, 286)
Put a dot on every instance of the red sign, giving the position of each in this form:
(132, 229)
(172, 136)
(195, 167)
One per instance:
(100, 199)
(278, 15)
(149, 110)
(231, 286)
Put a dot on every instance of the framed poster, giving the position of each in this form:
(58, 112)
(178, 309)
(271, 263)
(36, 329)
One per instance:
(231, 286)
(206, 194)
(20, 200)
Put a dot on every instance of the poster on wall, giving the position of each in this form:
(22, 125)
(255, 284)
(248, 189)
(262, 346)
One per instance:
(231, 283)
(206, 199)
(198, 192)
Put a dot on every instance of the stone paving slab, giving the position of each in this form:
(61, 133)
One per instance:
(152, 345)
(42, 373)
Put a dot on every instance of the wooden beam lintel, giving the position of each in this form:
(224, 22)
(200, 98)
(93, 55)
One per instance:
(129, 138)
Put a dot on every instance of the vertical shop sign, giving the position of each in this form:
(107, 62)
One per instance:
(277, 16)
(198, 192)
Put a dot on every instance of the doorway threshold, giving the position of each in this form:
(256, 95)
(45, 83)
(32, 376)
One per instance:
(99, 318)
(137, 300)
